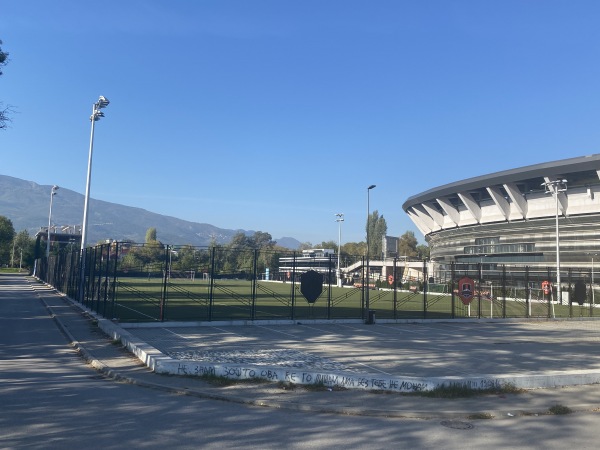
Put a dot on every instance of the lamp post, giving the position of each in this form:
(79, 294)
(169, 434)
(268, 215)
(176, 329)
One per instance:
(368, 249)
(555, 187)
(96, 115)
(52, 194)
(339, 220)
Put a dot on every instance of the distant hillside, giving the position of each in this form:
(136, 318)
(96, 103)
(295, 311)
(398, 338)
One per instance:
(27, 204)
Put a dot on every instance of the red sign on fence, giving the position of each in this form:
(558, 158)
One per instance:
(546, 287)
(466, 289)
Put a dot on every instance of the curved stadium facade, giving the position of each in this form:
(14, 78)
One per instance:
(509, 218)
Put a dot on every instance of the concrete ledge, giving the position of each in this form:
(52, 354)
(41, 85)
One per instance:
(223, 323)
(163, 364)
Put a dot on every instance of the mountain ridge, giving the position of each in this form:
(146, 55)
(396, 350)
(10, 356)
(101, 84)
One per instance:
(27, 203)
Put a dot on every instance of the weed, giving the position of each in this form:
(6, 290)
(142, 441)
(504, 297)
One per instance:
(559, 409)
(460, 391)
(480, 416)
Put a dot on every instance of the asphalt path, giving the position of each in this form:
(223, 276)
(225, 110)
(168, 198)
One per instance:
(50, 397)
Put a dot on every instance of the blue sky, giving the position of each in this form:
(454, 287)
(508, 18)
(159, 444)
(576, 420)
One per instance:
(274, 115)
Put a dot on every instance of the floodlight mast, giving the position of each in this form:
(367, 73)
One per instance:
(52, 194)
(554, 187)
(96, 115)
(339, 220)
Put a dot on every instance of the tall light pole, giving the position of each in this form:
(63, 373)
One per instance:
(52, 194)
(96, 115)
(368, 247)
(339, 220)
(555, 187)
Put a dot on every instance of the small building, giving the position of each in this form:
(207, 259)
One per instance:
(62, 236)
(321, 260)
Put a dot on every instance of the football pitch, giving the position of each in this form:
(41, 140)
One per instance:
(138, 299)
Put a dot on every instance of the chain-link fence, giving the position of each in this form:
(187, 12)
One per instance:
(145, 282)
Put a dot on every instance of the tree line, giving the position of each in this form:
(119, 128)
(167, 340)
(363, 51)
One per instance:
(377, 229)
(16, 249)
(259, 251)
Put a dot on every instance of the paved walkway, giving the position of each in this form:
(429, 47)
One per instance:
(409, 349)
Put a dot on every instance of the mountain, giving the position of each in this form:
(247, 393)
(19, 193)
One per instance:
(27, 205)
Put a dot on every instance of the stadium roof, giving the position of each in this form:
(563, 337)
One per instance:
(554, 169)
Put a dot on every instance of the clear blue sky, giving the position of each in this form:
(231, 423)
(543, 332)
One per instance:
(274, 115)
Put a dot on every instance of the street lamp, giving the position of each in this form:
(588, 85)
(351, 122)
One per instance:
(52, 194)
(96, 115)
(554, 187)
(339, 220)
(367, 276)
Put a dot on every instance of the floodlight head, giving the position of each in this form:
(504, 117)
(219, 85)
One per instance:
(96, 116)
(102, 102)
(371, 187)
(55, 188)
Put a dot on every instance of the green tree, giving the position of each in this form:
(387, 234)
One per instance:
(328, 244)
(152, 253)
(240, 240)
(4, 119)
(354, 248)
(7, 234)
(407, 245)
(23, 250)
(377, 229)
(151, 235)
(423, 251)
(262, 240)
(240, 252)
(189, 258)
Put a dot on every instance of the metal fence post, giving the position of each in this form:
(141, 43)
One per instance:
(527, 294)
(362, 299)
(592, 306)
(569, 292)
(212, 284)
(253, 289)
(329, 289)
(452, 298)
(550, 296)
(92, 278)
(395, 289)
(114, 281)
(425, 289)
(293, 293)
(163, 297)
(503, 292)
(480, 266)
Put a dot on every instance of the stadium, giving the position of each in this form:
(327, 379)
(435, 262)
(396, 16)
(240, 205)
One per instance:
(511, 219)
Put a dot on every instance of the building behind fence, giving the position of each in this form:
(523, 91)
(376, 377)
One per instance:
(144, 283)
